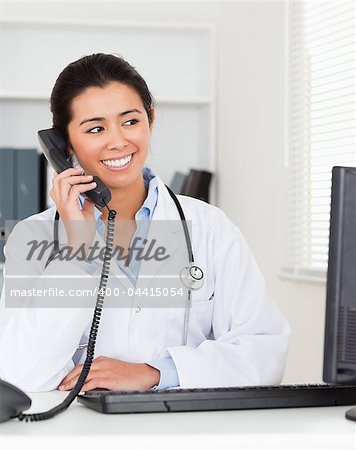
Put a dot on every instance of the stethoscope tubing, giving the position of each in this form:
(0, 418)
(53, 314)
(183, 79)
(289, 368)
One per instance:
(189, 250)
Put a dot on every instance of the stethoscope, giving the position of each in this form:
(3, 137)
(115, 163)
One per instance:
(191, 276)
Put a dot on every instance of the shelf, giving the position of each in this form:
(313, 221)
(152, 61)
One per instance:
(183, 85)
(183, 101)
(23, 96)
(126, 25)
(41, 96)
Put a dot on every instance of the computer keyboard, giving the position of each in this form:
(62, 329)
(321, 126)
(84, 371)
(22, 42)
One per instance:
(214, 399)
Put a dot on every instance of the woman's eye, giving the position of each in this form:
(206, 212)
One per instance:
(95, 130)
(133, 121)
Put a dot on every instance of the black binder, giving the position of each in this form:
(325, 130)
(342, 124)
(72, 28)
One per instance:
(7, 193)
(19, 187)
(198, 184)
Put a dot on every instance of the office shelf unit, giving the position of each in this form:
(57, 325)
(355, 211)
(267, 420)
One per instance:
(177, 61)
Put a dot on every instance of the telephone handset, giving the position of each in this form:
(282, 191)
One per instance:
(55, 149)
(13, 400)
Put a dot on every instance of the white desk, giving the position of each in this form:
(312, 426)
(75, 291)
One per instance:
(80, 428)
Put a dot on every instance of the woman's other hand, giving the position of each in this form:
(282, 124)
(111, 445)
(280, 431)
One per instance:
(113, 374)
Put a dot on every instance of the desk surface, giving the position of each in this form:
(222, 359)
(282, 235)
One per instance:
(296, 428)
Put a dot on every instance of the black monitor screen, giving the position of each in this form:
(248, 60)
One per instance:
(340, 323)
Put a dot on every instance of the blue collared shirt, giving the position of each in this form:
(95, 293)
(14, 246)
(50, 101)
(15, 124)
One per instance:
(143, 217)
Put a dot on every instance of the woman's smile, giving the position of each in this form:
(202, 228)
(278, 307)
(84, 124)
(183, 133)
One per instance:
(116, 164)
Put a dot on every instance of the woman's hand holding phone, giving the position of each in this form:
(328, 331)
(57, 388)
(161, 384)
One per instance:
(79, 222)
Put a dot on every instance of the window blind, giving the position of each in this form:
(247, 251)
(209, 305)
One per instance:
(321, 124)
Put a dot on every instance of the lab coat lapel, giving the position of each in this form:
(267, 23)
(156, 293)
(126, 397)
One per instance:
(115, 271)
(165, 227)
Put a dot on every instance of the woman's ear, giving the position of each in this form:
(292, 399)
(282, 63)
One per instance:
(153, 113)
(73, 158)
(69, 147)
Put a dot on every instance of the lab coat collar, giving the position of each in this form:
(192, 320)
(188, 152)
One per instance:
(169, 236)
(166, 208)
(151, 180)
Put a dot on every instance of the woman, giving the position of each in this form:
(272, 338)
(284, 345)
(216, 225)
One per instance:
(236, 336)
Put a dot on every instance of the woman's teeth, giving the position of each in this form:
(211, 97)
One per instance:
(117, 162)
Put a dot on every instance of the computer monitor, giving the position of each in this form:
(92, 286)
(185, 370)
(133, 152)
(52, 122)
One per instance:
(340, 322)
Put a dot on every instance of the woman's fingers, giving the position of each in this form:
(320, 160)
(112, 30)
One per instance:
(72, 374)
(78, 189)
(114, 374)
(71, 382)
(65, 185)
(57, 177)
(66, 189)
(75, 372)
(68, 172)
(97, 382)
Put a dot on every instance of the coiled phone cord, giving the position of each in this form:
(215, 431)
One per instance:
(93, 330)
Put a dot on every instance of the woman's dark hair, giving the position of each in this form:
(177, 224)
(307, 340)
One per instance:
(97, 70)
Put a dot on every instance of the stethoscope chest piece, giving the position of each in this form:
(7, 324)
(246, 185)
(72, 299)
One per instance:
(192, 277)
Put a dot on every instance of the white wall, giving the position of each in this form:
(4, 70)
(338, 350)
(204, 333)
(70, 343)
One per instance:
(251, 171)
(250, 140)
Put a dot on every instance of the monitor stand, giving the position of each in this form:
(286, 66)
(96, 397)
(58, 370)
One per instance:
(351, 414)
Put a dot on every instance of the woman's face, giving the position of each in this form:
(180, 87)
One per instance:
(110, 133)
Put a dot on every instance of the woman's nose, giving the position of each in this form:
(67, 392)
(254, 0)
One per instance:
(116, 139)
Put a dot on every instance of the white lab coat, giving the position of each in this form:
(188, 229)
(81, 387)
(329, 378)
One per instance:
(236, 336)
